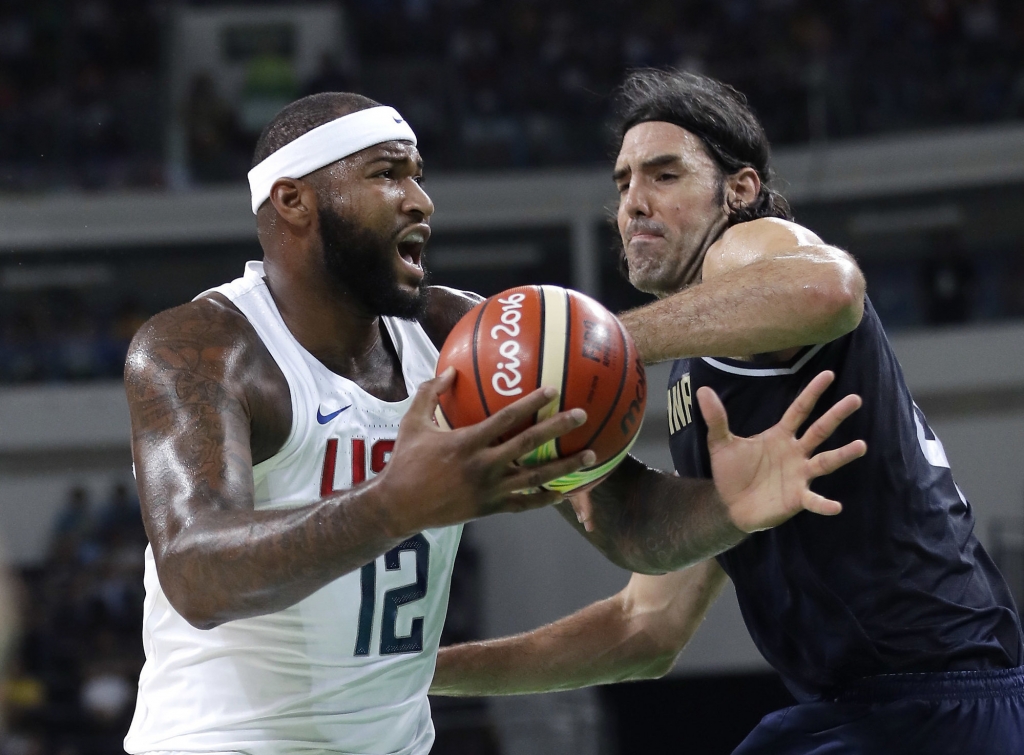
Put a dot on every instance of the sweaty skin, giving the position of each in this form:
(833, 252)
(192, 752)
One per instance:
(764, 287)
(207, 402)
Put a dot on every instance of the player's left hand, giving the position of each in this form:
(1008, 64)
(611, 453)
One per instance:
(764, 480)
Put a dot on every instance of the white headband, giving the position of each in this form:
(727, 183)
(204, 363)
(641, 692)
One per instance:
(323, 145)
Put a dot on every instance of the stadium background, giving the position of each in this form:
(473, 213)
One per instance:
(125, 134)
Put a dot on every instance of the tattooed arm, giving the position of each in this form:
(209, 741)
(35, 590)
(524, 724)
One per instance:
(206, 401)
(651, 522)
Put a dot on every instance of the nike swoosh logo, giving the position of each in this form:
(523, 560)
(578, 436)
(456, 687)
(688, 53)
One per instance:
(397, 119)
(323, 419)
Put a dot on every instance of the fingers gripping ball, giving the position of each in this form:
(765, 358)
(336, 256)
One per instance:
(533, 336)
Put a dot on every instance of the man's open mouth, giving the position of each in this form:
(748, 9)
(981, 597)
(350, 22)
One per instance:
(410, 246)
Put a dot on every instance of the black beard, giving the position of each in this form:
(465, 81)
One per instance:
(360, 262)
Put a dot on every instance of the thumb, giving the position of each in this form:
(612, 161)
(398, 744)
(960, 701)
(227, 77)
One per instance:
(584, 508)
(428, 394)
(715, 417)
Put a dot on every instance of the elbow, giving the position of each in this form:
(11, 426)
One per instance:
(657, 658)
(656, 641)
(203, 623)
(658, 665)
(840, 301)
(190, 602)
(200, 620)
(192, 610)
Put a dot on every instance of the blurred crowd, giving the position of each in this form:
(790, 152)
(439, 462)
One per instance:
(57, 335)
(498, 83)
(71, 681)
(79, 94)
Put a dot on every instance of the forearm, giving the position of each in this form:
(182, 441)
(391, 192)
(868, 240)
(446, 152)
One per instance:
(227, 564)
(593, 646)
(626, 637)
(651, 522)
(771, 305)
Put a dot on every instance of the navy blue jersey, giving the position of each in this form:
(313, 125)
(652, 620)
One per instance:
(897, 582)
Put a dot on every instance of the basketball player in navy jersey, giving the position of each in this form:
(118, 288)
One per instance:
(889, 622)
(302, 507)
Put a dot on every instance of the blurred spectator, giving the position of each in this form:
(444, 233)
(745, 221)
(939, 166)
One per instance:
(329, 77)
(58, 335)
(120, 521)
(24, 696)
(211, 128)
(80, 94)
(73, 676)
(17, 691)
(73, 526)
(269, 85)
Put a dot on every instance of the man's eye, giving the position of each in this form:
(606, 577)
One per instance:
(418, 179)
(667, 176)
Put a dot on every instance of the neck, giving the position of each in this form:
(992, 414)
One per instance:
(329, 325)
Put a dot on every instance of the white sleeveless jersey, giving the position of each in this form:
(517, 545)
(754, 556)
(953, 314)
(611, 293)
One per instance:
(347, 669)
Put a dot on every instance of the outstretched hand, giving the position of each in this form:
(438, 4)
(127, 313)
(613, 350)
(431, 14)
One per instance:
(764, 480)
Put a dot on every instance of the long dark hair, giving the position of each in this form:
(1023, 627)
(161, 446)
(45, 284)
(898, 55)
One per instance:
(716, 114)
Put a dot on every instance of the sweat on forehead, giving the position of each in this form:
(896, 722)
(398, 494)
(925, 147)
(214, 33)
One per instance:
(654, 144)
(326, 144)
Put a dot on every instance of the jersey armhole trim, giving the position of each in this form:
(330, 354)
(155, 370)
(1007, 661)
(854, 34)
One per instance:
(735, 369)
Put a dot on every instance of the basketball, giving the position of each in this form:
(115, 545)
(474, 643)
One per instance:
(533, 336)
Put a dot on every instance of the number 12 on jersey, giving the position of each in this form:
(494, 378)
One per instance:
(390, 642)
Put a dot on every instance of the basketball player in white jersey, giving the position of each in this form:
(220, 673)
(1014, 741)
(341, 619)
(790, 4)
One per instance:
(302, 508)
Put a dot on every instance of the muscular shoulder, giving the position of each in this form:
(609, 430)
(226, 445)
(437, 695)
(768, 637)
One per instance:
(772, 233)
(757, 240)
(445, 307)
(208, 336)
(206, 353)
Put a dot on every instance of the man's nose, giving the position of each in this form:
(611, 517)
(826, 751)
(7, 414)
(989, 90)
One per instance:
(635, 201)
(417, 201)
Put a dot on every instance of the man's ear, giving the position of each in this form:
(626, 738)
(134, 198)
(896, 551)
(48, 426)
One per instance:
(741, 188)
(294, 200)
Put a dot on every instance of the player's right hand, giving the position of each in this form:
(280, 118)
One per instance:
(765, 479)
(437, 477)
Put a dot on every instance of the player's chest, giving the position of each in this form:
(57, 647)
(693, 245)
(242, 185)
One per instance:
(339, 441)
(350, 442)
